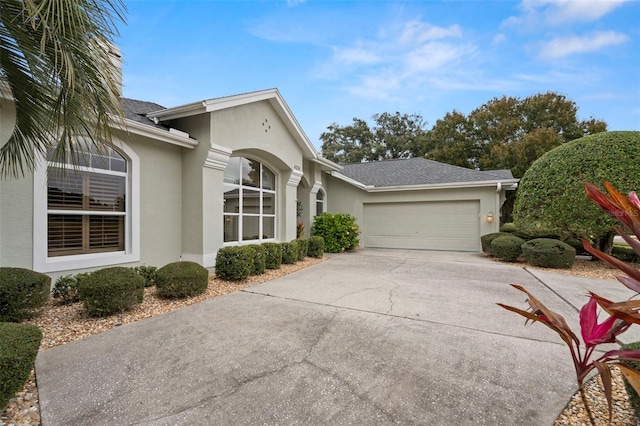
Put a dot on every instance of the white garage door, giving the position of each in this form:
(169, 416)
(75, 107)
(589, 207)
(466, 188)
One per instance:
(446, 225)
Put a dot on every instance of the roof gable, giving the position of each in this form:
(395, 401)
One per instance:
(417, 171)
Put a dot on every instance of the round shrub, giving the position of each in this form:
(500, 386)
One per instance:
(548, 253)
(507, 248)
(289, 252)
(66, 288)
(111, 290)
(551, 194)
(508, 227)
(340, 231)
(486, 239)
(181, 279)
(303, 248)
(19, 345)
(273, 256)
(22, 291)
(259, 259)
(316, 246)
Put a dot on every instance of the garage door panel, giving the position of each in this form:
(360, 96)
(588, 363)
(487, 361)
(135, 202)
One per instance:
(450, 225)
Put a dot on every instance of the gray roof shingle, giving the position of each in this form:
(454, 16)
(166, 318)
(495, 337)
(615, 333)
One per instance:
(417, 171)
(137, 111)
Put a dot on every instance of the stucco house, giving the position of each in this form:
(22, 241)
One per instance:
(183, 182)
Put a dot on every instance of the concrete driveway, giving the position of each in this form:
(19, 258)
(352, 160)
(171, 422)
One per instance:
(371, 337)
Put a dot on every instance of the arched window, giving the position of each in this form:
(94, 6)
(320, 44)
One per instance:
(249, 201)
(320, 206)
(86, 203)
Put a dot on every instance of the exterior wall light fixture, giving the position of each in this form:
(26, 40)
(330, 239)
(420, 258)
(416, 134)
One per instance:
(490, 217)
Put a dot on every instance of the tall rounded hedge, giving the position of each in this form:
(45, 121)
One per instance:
(508, 248)
(551, 196)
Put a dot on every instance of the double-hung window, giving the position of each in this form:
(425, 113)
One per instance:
(249, 201)
(86, 204)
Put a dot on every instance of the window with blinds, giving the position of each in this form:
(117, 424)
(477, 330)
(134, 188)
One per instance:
(86, 205)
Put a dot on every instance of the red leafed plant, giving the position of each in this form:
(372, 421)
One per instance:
(621, 314)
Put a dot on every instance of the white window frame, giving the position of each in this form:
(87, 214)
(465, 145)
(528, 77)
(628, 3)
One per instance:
(324, 201)
(42, 262)
(261, 215)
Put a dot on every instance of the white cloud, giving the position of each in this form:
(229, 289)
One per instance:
(560, 12)
(564, 46)
(398, 58)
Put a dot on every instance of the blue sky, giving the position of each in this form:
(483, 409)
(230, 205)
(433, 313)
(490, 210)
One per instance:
(336, 60)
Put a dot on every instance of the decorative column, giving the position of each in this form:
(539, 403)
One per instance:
(291, 194)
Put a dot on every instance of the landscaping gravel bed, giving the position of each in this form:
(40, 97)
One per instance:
(61, 324)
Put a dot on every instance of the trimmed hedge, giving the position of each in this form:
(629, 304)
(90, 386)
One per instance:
(549, 253)
(508, 248)
(485, 240)
(303, 248)
(234, 263)
(259, 259)
(551, 193)
(289, 252)
(111, 290)
(634, 399)
(22, 291)
(181, 279)
(273, 257)
(316, 246)
(340, 231)
(19, 345)
(625, 253)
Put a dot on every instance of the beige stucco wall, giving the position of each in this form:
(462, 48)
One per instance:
(160, 200)
(254, 131)
(346, 198)
(16, 204)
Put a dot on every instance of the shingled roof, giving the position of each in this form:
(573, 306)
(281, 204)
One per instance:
(417, 171)
(137, 111)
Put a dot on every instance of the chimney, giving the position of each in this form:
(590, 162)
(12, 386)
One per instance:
(116, 60)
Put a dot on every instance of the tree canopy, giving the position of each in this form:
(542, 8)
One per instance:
(392, 136)
(551, 196)
(508, 132)
(55, 64)
(504, 133)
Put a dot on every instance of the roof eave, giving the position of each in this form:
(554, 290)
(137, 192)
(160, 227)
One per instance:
(327, 165)
(507, 184)
(158, 134)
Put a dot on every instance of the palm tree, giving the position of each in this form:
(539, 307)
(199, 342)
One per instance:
(55, 65)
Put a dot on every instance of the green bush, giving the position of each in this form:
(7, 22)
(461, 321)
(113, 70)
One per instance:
(485, 240)
(549, 253)
(66, 288)
(234, 263)
(303, 248)
(316, 246)
(111, 290)
(625, 253)
(551, 194)
(181, 279)
(508, 227)
(148, 273)
(289, 252)
(340, 231)
(22, 291)
(634, 399)
(19, 345)
(273, 256)
(508, 248)
(259, 259)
